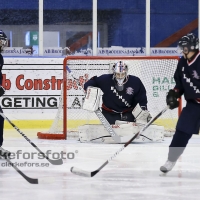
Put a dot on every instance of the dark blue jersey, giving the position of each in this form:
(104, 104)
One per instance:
(132, 94)
(187, 77)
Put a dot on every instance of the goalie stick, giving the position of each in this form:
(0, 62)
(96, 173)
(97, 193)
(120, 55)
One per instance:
(85, 173)
(103, 120)
(53, 162)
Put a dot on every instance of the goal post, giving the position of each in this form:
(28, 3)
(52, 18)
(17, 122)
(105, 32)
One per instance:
(155, 72)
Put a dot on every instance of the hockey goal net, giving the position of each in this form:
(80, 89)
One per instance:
(156, 73)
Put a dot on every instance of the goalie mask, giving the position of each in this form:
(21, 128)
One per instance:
(188, 43)
(3, 40)
(120, 75)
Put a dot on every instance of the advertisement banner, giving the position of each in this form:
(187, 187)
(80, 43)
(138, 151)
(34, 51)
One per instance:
(106, 51)
(33, 87)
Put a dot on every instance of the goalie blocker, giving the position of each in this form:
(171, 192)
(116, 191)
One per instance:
(141, 114)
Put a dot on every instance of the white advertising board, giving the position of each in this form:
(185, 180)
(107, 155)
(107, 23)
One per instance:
(33, 87)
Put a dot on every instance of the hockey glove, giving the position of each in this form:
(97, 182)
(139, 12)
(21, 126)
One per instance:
(2, 91)
(92, 99)
(172, 99)
(141, 116)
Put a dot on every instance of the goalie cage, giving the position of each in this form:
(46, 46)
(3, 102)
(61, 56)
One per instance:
(156, 73)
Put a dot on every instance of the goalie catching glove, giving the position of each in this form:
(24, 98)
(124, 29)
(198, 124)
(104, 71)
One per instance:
(92, 99)
(141, 116)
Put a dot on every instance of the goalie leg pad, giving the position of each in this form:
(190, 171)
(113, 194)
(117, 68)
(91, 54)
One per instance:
(98, 134)
(92, 99)
(94, 133)
(154, 133)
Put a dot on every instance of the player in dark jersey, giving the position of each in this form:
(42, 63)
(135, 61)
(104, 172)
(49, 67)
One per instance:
(187, 78)
(3, 43)
(121, 94)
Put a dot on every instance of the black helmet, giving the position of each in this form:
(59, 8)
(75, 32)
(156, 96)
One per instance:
(3, 40)
(188, 43)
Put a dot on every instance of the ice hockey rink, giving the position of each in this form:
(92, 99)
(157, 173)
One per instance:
(133, 174)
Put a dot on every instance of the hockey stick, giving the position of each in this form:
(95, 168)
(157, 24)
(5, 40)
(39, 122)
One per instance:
(101, 117)
(30, 180)
(85, 173)
(54, 162)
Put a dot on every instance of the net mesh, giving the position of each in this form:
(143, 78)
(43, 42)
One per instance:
(156, 75)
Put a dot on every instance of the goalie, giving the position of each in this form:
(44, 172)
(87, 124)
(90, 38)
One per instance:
(124, 104)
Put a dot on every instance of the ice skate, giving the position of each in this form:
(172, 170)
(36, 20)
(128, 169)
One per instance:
(167, 166)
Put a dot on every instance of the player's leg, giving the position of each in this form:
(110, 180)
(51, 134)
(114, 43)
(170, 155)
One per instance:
(176, 148)
(188, 124)
(111, 116)
(1, 128)
(3, 152)
(127, 116)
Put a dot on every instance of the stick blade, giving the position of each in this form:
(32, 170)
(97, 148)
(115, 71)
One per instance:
(45, 180)
(32, 180)
(80, 172)
(55, 162)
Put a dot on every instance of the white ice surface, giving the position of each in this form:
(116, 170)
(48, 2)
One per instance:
(133, 174)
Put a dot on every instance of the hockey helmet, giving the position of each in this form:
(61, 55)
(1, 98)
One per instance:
(120, 74)
(3, 40)
(188, 43)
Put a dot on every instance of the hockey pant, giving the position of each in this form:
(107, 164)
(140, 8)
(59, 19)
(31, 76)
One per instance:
(112, 116)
